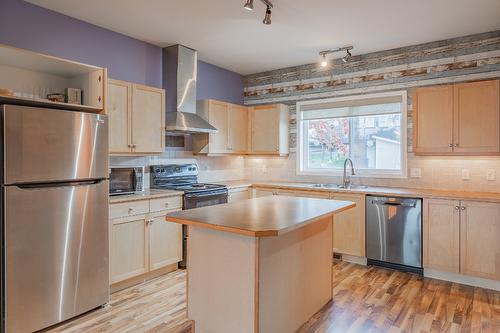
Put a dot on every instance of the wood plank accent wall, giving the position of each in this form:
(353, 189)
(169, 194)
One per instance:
(475, 57)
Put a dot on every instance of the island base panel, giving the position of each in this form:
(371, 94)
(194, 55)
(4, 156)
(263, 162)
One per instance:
(245, 284)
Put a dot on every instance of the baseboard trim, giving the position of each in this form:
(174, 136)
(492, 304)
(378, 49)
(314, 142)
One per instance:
(462, 279)
(354, 259)
(142, 278)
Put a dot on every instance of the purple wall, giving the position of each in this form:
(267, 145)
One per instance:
(218, 83)
(31, 27)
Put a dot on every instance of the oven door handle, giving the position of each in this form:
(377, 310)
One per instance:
(204, 195)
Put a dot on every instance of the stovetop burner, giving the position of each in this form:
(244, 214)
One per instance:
(180, 177)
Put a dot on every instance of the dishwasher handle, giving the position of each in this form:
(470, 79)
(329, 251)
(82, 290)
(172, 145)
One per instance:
(395, 203)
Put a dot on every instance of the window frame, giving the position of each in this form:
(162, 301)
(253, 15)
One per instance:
(361, 173)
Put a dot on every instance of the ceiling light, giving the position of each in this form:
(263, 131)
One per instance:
(249, 5)
(346, 58)
(324, 62)
(267, 18)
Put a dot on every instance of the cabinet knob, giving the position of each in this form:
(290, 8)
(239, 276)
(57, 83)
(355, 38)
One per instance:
(166, 204)
(130, 210)
(450, 145)
(457, 207)
(99, 98)
(99, 78)
(456, 144)
(463, 208)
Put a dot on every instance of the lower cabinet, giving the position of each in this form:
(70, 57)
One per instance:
(165, 247)
(142, 243)
(128, 248)
(238, 194)
(462, 237)
(349, 226)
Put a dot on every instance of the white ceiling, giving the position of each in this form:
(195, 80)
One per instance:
(228, 36)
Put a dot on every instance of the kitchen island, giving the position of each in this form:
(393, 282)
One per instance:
(259, 265)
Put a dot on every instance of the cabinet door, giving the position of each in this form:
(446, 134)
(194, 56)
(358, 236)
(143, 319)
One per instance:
(480, 239)
(265, 129)
(304, 194)
(218, 117)
(148, 119)
(349, 227)
(119, 102)
(441, 235)
(260, 192)
(238, 129)
(128, 248)
(238, 195)
(433, 119)
(165, 242)
(477, 117)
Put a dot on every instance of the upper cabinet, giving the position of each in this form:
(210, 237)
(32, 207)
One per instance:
(136, 118)
(459, 119)
(269, 129)
(231, 122)
(243, 130)
(34, 79)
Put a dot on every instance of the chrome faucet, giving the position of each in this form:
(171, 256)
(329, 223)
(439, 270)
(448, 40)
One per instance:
(346, 180)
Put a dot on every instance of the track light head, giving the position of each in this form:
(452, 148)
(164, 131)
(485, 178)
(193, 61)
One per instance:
(249, 5)
(346, 58)
(324, 62)
(267, 18)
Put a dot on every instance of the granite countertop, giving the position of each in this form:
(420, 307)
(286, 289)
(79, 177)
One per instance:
(373, 190)
(261, 217)
(145, 195)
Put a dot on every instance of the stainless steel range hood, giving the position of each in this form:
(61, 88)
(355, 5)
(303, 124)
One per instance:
(180, 66)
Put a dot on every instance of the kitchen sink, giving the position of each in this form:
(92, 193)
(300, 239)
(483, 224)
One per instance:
(325, 185)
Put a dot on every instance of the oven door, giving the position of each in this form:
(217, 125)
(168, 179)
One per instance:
(196, 200)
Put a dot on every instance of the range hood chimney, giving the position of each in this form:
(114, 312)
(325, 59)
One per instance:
(180, 65)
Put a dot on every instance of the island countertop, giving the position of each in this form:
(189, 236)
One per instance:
(261, 217)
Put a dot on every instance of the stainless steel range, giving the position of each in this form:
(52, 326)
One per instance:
(184, 177)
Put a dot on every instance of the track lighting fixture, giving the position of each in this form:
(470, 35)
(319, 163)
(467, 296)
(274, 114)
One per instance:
(249, 5)
(267, 18)
(345, 59)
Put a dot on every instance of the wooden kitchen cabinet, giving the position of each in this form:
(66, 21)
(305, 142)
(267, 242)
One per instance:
(141, 241)
(441, 238)
(477, 117)
(462, 237)
(433, 119)
(480, 239)
(231, 122)
(304, 194)
(238, 194)
(458, 119)
(136, 118)
(349, 226)
(128, 256)
(264, 192)
(165, 245)
(269, 130)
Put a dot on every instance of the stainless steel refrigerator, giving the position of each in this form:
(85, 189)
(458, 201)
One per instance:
(54, 211)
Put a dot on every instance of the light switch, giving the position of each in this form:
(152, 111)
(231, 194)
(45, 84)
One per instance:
(465, 174)
(415, 172)
(491, 175)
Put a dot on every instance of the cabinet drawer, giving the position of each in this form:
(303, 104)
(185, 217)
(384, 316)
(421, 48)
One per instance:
(166, 203)
(128, 208)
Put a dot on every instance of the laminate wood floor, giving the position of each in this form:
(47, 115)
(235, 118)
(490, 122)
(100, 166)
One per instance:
(366, 299)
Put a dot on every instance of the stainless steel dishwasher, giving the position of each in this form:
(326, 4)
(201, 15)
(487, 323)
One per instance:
(394, 232)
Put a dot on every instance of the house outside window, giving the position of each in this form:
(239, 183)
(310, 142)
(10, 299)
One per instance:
(369, 129)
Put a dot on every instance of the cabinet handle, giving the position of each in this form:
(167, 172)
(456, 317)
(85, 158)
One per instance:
(99, 99)
(99, 79)
(463, 208)
(450, 145)
(457, 207)
(133, 145)
(456, 144)
(130, 210)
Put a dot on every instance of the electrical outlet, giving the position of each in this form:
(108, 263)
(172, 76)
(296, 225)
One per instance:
(415, 172)
(491, 175)
(465, 174)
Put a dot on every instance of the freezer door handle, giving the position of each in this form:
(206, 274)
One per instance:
(60, 184)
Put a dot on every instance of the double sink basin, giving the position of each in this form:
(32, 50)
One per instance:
(339, 186)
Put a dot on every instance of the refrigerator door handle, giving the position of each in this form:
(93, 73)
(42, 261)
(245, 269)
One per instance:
(60, 184)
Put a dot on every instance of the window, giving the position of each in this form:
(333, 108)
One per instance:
(369, 129)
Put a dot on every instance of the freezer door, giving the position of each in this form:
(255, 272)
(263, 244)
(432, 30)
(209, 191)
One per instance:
(56, 264)
(44, 145)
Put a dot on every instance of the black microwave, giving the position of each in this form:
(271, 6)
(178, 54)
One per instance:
(126, 180)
